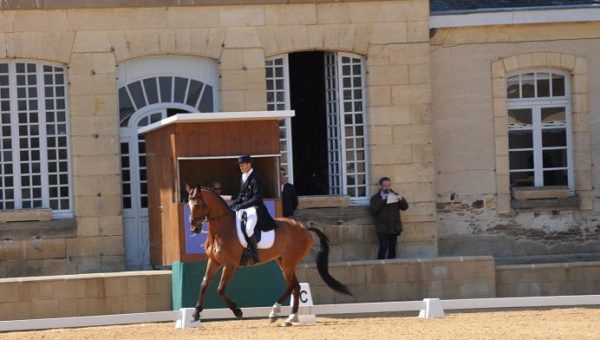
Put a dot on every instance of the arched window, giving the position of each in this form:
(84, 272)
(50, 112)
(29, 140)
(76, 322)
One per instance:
(539, 129)
(34, 137)
(164, 89)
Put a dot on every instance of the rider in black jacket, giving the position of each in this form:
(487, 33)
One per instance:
(250, 201)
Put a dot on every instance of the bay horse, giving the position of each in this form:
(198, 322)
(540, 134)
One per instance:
(292, 243)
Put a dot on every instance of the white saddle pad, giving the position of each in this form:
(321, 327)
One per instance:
(267, 238)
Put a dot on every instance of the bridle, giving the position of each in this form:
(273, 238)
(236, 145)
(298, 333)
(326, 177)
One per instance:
(199, 201)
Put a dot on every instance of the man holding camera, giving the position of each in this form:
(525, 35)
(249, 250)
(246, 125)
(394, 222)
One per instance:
(385, 207)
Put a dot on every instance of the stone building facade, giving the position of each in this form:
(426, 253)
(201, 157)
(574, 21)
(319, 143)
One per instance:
(483, 117)
(93, 57)
(482, 208)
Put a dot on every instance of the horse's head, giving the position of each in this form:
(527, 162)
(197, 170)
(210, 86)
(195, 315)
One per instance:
(198, 210)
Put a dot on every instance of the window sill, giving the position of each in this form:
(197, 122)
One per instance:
(533, 193)
(547, 203)
(58, 228)
(24, 215)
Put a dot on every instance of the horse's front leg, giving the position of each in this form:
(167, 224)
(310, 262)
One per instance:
(211, 269)
(228, 271)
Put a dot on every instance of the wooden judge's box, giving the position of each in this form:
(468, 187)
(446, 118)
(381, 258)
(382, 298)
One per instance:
(197, 149)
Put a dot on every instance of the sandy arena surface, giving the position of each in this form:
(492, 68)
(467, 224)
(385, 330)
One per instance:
(568, 323)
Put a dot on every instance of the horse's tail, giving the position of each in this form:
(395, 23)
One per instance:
(323, 264)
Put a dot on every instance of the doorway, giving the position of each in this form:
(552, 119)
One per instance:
(307, 94)
(324, 147)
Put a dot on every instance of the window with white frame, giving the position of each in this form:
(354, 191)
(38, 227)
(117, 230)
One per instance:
(539, 129)
(34, 143)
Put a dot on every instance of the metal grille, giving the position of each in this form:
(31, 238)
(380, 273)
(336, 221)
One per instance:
(56, 137)
(7, 183)
(278, 99)
(34, 140)
(333, 125)
(353, 120)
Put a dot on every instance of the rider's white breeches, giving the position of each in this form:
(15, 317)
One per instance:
(252, 219)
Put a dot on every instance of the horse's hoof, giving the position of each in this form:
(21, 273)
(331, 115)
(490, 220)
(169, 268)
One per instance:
(273, 318)
(195, 317)
(287, 323)
(238, 313)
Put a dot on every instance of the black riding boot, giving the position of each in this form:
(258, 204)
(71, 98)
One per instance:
(252, 251)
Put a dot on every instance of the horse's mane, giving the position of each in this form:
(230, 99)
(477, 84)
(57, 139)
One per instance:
(214, 192)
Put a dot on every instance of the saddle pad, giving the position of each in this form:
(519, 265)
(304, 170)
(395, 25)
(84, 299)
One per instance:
(267, 238)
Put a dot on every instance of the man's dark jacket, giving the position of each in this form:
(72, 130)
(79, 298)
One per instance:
(289, 200)
(387, 216)
(251, 196)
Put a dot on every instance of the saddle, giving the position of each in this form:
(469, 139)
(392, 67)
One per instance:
(264, 239)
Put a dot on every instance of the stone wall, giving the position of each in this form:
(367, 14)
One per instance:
(406, 279)
(352, 236)
(475, 213)
(391, 35)
(369, 281)
(85, 294)
(575, 278)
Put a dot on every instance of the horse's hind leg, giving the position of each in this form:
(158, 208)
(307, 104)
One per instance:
(293, 317)
(226, 276)
(211, 269)
(291, 283)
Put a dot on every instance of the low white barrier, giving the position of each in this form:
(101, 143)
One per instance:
(331, 309)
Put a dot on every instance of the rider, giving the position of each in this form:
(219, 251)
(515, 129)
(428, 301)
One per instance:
(250, 201)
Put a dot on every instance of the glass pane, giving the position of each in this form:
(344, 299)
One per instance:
(543, 84)
(555, 177)
(558, 85)
(522, 179)
(136, 93)
(554, 137)
(206, 103)
(553, 116)
(521, 160)
(180, 89)
(555, 158)
(165, 89)
(194, 92)
(151, 90)
(527, 85)
(125, 107)
(520, 139)
(519, 118)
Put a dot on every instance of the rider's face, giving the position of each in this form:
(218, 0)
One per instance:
(245, 167)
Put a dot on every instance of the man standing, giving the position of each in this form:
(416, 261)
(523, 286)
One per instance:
(250, 201)
(385, 207)
(289, 199)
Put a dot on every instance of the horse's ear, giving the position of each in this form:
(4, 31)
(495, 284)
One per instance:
(188, 189)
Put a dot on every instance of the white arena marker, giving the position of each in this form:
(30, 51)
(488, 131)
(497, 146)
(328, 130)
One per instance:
(432, 308)
(185, 319)
(305, 301)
